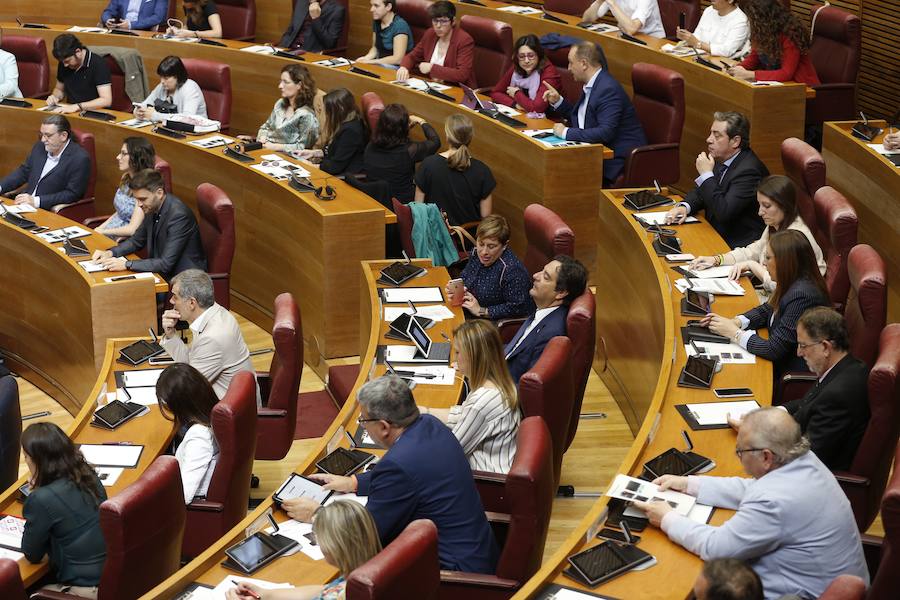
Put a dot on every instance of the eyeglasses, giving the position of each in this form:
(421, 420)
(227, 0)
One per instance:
(527, 56)
(47, 136)
(441, 21)
(738, 452)
(360, 420)
(805, 346)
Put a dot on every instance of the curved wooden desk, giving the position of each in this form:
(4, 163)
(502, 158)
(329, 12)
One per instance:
(152, 431)
(300, 569)
(872, 185)
(286, 241)
(56, 317)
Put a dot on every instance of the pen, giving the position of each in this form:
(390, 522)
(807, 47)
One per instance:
(117, 444)
(251, 592)
(43, 413)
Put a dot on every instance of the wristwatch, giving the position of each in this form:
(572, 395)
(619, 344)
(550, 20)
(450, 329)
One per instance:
(128, 264)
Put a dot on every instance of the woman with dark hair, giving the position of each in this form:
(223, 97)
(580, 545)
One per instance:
(201, 20)
(62, 512)
(175, 94)
(293, 125)
(137, 154)
(342, 137)
(791, 262)
(391, 35)
(779, 45)
(523, 84)
(186, 397)
(390, 156)
(445, 52)
(777, 198)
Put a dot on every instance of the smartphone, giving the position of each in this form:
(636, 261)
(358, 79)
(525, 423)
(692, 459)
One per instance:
(122, 278)
(161, 360)
(732, 392)
(679, 257)
(681, 17)
(456, 288)
(614, 534)
(543, 135)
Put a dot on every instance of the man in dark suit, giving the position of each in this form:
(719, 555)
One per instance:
(726, 185)
(423, 475)
(126, 14)
(553, 288)
(169, 231)
(56, 171)
(603, 115)
(315, 26)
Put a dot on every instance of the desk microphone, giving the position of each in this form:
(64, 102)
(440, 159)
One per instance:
(433, 92)
(700, 60)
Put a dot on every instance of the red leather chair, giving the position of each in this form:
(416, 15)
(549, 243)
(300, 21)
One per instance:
(659, 102)
(84, 208)
(407, 568)
(120, 99)
(33, 64)
(580, 329)
(405, 225)
(238, 19)
(233, 422)
(806, 168)
(567, 7)
(835, 52)
(670, 10)
(143, 526)
(865, 481)
(883, 555)
(845, 587)
(415, 13)
(372, 106)
(217, 234)
(164, 168)
(11, 587)
(493, 48)
(571, 89)
(837, 223)
(866, 311)
(341, 381)
(214, 79)
(522, 513)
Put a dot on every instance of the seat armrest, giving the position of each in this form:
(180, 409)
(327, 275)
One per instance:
(205, 506)
(850, 479)
(48, 595)
(488, 477)
(272, 413)
(265, 385)
(478, 579)
(872, 551)
(94, 221)
(793, 386)
(498, 517)
(797, 376)
(218, 275)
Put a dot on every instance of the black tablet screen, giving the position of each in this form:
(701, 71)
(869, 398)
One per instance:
(339, 462)
(597, 562)
(700, 368)
(670, 462)
(699, 300)
(252, 551)
(114, 412)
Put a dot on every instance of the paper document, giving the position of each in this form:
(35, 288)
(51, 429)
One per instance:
(136, 123)
(430, 375)
(218, 592)
(300, 533)
(435, 312)
(416, 294)
(721, 286)
(259, 49)
(132, 276)
(602, 27)
(399, 354)
(347, 498)
(879, 148)
(520, 10)
(18, 209)
(78, 29)
(11, 554)
(507, 110)
(721, 272)
(91, 267)
(419, 84)
(11, 530)
(680, 49)
(66, 233)
(139, 395)
(631, 489)
(111, 455)
(658, 218)
(141, 378)
(109, 475)
(725, 353)
(548, 138)
(213, 141)
(701, 513)
(333, 62)
(716, 413)
(767, 83)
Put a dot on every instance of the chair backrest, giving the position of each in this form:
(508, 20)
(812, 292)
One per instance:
(405, 225)
(32, 61)
(120, 99)
(659, 102)
(407, 568)
(836, 44)
(845, 587)
(165, 169)
(143, 527)
(493, 48)
(567, 7)
(547, 391)
(547, 235)
(806, 168)
(879, 442)
(238, 19)
(11, 586)
(530, 489)
(10, 431)
(214, 79)
(86, 141)
(217, 235)
(836, 222)
(415, 12)
(866, 310)
(580, 329)
(669, 11)
(886, 581)
(571, 89)
(371, 105)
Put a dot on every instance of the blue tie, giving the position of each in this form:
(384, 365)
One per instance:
(512, 344)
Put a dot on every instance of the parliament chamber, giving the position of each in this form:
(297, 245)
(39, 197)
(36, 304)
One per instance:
(62, 327)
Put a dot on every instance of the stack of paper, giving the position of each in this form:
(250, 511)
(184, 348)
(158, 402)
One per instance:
(136, 123)
(63, 234)
(879, 148)
(333, 62)
(658, 218)
(113, 455)
(300, 533)
(213, 141)
(427, 375)
(549, 138)
(11, 530)
(259, 49)
(520, 10)
(435, 312)
(721, 286)
(91, 267)
(603, 28)
(18, 209)
(724, 353)
(418, 84)
(631, 489)
(412, 294)
(716, 413)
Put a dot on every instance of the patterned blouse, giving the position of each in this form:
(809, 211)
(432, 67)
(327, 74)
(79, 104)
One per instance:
(335, 590)
(502, 288)
(297, 132)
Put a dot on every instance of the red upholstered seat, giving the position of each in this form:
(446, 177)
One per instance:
(84, 208)
(547, 235)
(806, 168)
(372, 106)
(866, 311)
(214, 79)
(883, 555)
(341, 381)
(659, 102)
(670, 10)
(120, 99)
(580, 329)
(493, 48)
(234, 427)
(571, 89)
(11, 587)
(567, 7)
(835, 52)
(32, 62)
(845, 587)
(10, 431)
(405, 225)
(407, 568)
(415, 12)
(836, 222)
(238, 19)
(217, 234)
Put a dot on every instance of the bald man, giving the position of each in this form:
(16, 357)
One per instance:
(793, 524)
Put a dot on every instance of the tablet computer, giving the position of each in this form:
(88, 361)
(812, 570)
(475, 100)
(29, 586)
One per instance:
(672, 462)
(117, 412)
(140, 351)
(698, 300)
(698, 372)
(257, 551)
(298, 486)
(604, 561)
(343, 461)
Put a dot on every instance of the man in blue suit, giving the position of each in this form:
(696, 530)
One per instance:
(135, 14)
(604, 113)
(553, 288)
(423, 475)
(56, 171)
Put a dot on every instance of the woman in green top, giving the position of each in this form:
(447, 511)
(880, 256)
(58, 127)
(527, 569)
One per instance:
(62, 511)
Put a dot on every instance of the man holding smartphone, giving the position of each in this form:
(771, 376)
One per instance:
(135, 14)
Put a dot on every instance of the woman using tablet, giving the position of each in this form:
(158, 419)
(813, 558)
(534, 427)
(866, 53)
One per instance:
(136, 154)
(487, 422)
(523, 84)
(791, 262)
(391, 35)
(186, 397)
(202, 20)
(62, 512)
(176, 93)
(445, 52)
(346, 534)
(342, 136)
(293, 125)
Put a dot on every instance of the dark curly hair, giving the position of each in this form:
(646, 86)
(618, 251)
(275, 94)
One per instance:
(769, 20)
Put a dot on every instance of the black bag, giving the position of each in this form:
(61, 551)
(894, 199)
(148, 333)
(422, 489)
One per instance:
(163, 106)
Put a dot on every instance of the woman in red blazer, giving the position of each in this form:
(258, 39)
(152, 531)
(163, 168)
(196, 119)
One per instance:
(779, 45)
(523, 84)
(445, 52)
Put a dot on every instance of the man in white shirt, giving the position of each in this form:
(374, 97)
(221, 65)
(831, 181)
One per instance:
(9, 76)
(218, 350)
(632, 16)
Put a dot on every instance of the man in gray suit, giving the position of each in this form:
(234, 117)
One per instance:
(218, 350)
(793, 524)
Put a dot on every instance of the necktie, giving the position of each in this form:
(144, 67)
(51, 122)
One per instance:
(519, 335)
(719, 171)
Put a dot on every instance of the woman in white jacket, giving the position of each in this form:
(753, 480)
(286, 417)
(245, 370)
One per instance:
(722, 30)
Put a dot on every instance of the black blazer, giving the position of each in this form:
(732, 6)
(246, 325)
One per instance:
(65, 184)
(835, 413)
(324, 32)
(731, 206)
(529, 351)
(173, 244)
(344, 154)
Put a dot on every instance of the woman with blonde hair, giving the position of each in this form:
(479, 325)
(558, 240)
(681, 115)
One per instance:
(487, 422)
(459, 184)
(346, 534)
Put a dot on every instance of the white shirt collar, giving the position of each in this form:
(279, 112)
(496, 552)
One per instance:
(590, 83)
(200, 322)
(51, 158)
(541, 313)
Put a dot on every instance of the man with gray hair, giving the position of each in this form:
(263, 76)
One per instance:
(424, 475)
(793, 524)
(218, 350)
